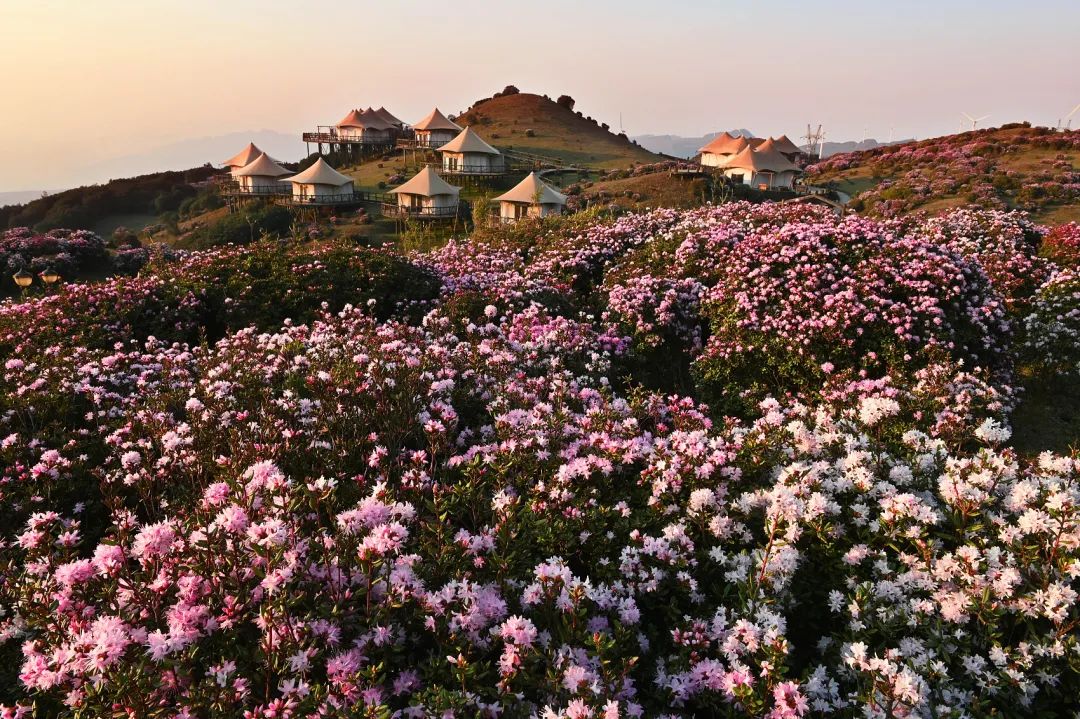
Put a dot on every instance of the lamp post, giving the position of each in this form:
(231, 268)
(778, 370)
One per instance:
(23, 279)
(50, 277)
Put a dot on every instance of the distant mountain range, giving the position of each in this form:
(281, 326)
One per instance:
(679, 146)
(195, 152)
(180, 155)
(19, 198)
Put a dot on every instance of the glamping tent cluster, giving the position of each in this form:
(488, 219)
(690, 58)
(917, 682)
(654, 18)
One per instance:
(753, 161)
(428, 196)
(256, 173)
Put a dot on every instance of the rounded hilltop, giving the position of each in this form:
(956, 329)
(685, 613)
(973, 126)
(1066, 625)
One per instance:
(554, 128)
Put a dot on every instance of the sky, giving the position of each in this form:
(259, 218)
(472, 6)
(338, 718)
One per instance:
(88, 81)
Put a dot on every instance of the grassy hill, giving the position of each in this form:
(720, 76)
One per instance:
(132, 201)
(1011, 167)
(528, 123)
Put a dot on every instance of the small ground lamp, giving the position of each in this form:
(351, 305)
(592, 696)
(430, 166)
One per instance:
(50, 277)
(23, 279)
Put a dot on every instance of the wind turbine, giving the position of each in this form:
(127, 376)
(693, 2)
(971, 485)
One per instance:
(973, 120)
(1068, 120)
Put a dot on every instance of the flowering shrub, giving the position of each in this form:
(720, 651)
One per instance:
(655, 310)
(1052, 330)
(66, 251)
(424, 487)
(1062, 245)
(792, 304)
(975, 166)
(1003, 243)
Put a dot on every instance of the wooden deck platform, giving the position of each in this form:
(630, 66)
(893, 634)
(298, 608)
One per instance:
(406, 143)
(392, 209)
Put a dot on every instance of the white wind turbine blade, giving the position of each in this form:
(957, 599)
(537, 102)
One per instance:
(1068, 118)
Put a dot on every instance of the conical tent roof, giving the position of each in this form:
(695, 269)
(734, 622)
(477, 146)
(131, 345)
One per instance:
(533, 189)
(437, 121)
(427, 184)
(786, 146)
(353, 119)
(367, 120)
(386, 116)
(262, 166)
(372, 121)
(244, 157)
(469, 141)
(724, 144)
(756, 160)
(767, 146)
(768, 153)
(320, 174)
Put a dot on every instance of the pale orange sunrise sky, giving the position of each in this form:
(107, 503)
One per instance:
(86, 82)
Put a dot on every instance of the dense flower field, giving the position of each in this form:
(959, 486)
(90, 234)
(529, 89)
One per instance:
(976, 166)
(281, 481)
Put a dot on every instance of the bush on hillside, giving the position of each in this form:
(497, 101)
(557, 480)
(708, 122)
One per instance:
(69, 252)
(1052, 329)
(1062, 245)
(254, 222)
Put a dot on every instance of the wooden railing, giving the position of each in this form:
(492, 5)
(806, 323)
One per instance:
(390, 209)
(256, 191)
(330, 138)
(472, 169)
(338, 198)
(419, 143)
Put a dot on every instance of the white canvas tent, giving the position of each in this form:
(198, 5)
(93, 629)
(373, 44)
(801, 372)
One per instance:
(435, 130)
(242, 158)
(321, 183)
(532, 197)
(262, 176)
(722, 148)
(762, 166)
(426, 195)
(468, 154)
(366, 125)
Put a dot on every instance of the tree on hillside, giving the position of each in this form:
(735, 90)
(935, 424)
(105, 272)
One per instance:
(566, 101)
